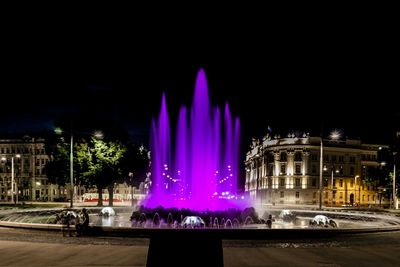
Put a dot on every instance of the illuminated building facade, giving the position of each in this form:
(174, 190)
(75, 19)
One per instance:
(287, 171)
(30, 180)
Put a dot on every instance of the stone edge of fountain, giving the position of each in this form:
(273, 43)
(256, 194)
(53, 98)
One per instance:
(236, 233)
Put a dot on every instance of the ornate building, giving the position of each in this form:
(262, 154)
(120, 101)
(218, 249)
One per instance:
(287, 171)
(30, 181)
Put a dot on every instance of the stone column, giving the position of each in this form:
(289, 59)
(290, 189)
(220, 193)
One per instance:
(275, 180)
(290, 169)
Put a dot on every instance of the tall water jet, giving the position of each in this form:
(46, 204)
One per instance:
(203, 174)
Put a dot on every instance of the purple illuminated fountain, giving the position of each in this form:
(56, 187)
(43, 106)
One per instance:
(202, 171)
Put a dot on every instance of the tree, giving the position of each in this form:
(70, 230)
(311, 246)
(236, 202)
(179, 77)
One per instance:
(57, 169)
(100, 165)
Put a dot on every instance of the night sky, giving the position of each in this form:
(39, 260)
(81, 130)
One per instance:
(287, 76)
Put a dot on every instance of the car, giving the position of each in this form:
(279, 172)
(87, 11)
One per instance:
(193, 222)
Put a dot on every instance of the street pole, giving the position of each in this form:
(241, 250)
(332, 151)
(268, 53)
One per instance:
(12, 179)
(359, 192)
(71, 158)
(332, 186)
(394, 181)
(355, 190)
(320, 174)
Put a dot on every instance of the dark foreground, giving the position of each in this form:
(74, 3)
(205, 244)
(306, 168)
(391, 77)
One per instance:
(31, 248)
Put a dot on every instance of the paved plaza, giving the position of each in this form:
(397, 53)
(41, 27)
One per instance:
(27, 248)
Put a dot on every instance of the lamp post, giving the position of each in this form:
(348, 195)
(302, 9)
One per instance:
(335, 135)
(71, 171)
(332, 186)
(321, 162)
(355, 185)
(13, 186)
(97, 134)
(394, 181)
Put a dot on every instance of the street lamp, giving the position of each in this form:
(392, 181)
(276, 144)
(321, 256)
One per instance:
(332, 189)
(97, 134)
(355, 190)
(394, 181)
(12, 177)
(335, 135)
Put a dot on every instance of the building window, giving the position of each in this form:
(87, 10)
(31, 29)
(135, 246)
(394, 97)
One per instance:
(297, 156)
(314, 182)
(297, 181)
(363, 199)
(298, 168)
(271, 169)
(326, 194)
(373, 198)
(297, 194)
(351, 183)
(352, 159)
(315, 195)
(314, 169)
(282, 182)
(333, 158)
(282, 194)
(283, 156)
(368, 197)
(351, 170)
(334, 182)
(341, 195)
(341, 182)
(326, 158)
(314, 157)
(341, 158)
(283, 169)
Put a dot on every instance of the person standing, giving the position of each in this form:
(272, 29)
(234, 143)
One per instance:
(83, 226)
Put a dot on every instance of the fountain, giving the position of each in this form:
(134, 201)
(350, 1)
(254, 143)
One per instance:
(199, 177)
(202, 171)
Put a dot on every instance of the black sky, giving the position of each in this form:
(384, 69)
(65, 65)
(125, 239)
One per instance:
(289, 76)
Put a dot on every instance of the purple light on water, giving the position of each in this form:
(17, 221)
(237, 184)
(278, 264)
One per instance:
(205, 159)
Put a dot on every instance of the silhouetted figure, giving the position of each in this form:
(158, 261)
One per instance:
(269, 221)
(82, 227)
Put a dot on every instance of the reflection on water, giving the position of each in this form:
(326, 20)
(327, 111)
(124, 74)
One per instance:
(121, 220)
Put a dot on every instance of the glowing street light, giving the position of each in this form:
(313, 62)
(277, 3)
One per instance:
(335, 135)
